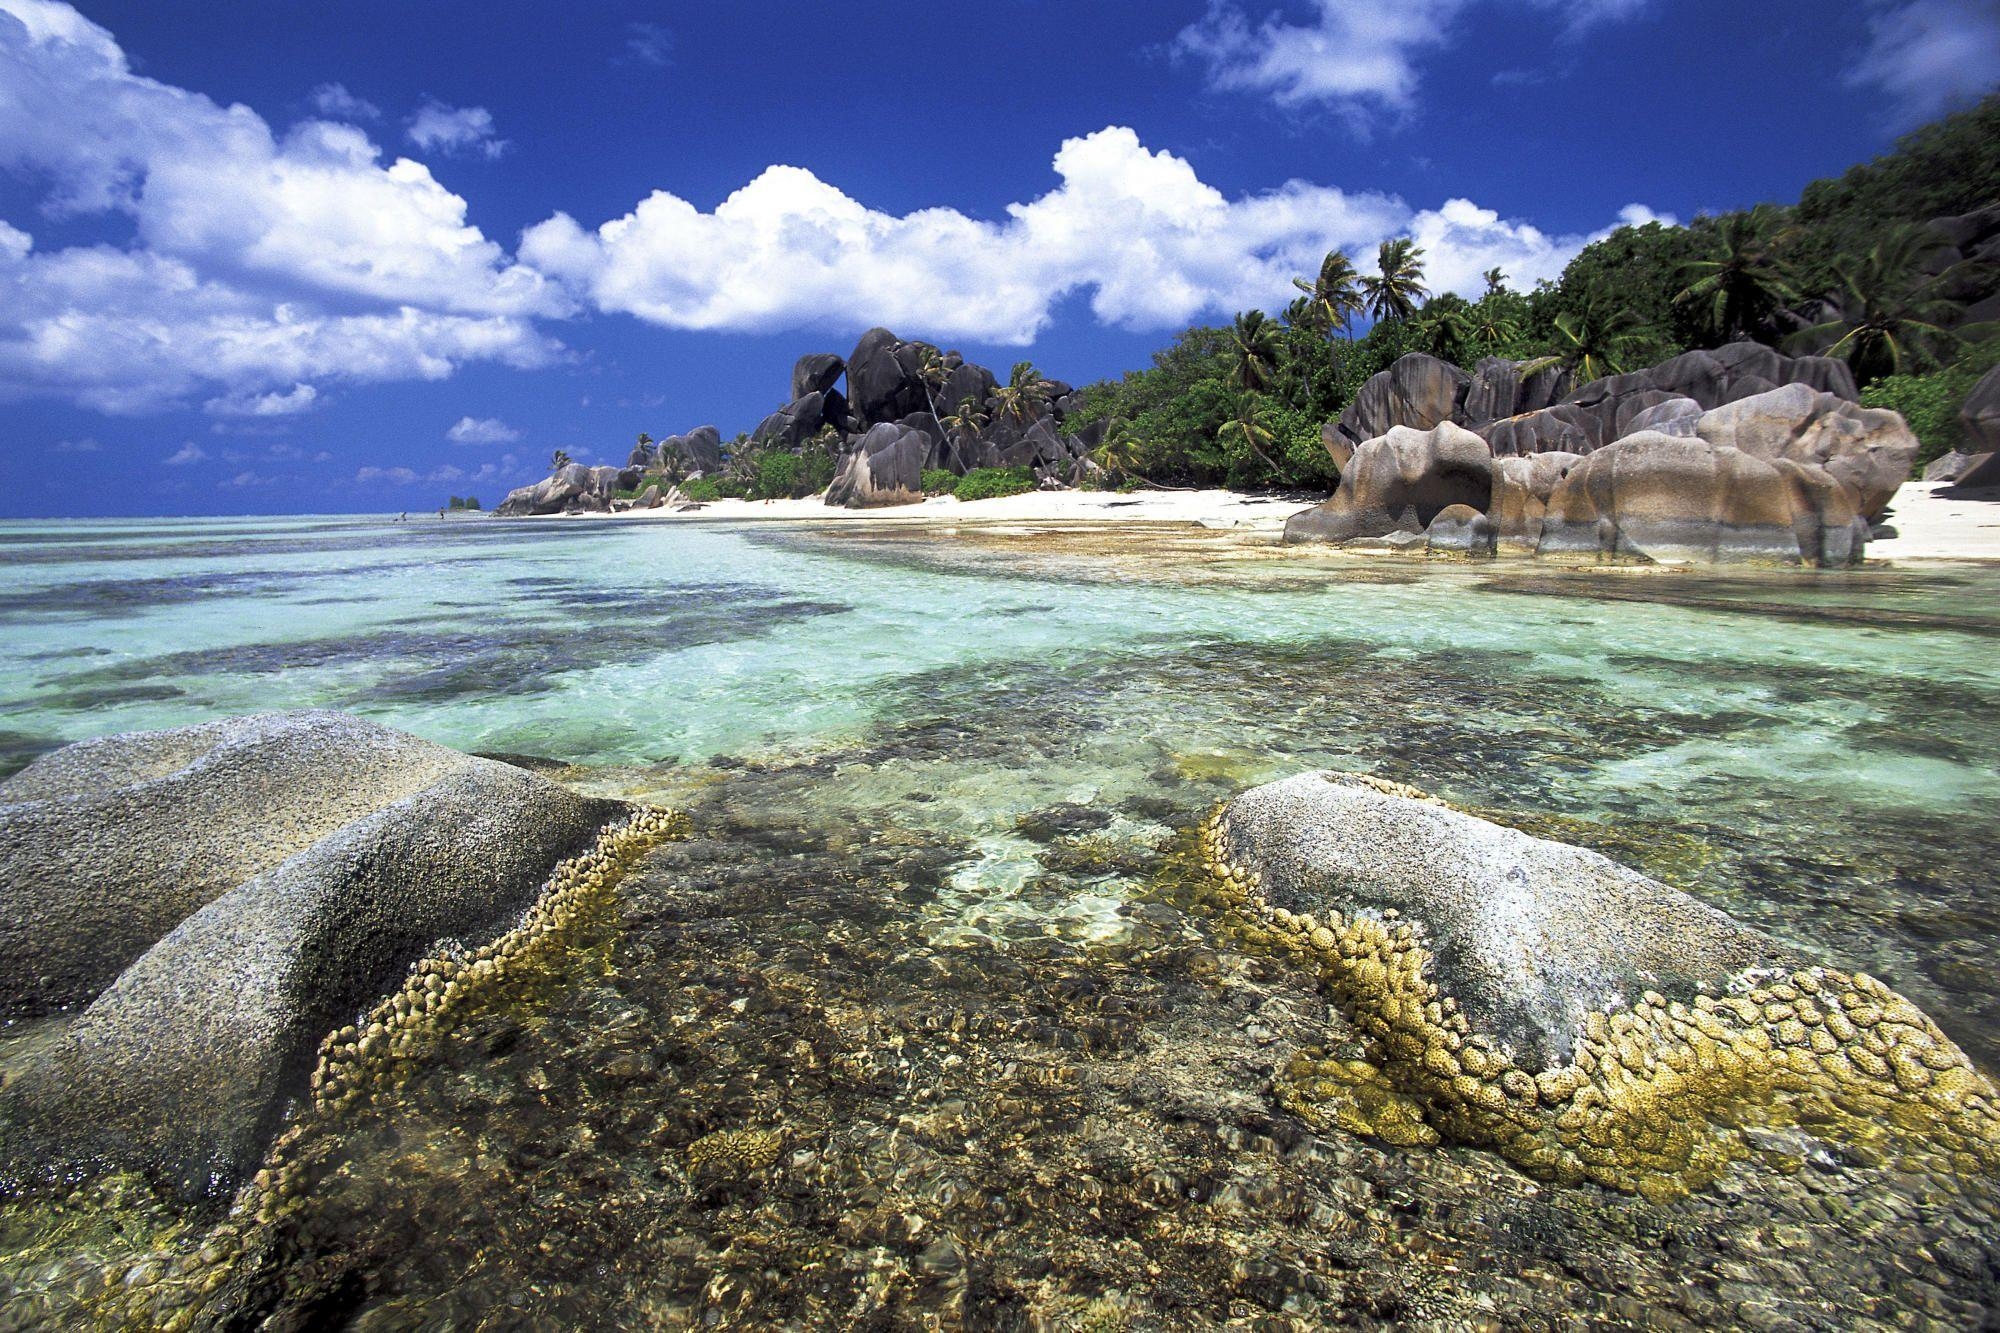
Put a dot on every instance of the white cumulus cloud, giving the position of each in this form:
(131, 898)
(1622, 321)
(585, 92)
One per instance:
(259, 262)
(1359, 57)
(437, 128)
(1153, 244)
(481, 430)
(187, 453)
(1928, 56)
(299, 398)
(335, 102)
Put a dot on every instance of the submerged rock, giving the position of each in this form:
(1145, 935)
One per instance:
(1582, 1019)
(219, 897)
(1529, 936)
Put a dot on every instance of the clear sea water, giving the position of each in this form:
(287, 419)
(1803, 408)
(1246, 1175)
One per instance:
(1811, 751)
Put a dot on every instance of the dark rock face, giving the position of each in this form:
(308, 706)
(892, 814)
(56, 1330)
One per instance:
(883, 467)
(1399, 483)
(1980, 417)
(816, 372)
(1498, 390)
(1530, 936)
(219, 897)
(1710, 378)
(699, 451)
(791, 426)
(1564, 429)
(881, 379)
(1417, 392)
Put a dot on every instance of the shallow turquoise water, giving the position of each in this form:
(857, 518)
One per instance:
(930, 778)
(1818, 738)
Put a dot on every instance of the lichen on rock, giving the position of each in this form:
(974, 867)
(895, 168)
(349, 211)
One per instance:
(1650, 1094)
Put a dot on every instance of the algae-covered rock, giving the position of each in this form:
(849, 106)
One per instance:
(219, 897)
(1530, 936)
(1581, 1019)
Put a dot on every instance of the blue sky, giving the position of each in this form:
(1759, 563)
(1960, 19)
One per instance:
(260, 256)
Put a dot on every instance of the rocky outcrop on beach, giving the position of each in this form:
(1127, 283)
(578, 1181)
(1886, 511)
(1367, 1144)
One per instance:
(921, 391)
(572, 489)
(209, 902)
(1972, 467)
(884, 467)
(1539, 411)
(1582, 1019)
(1399, 482)
(889, 411)
(1700, 459)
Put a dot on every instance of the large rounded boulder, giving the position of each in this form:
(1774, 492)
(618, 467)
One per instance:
(1587, 1022)
(190, 911)
(1398, 483)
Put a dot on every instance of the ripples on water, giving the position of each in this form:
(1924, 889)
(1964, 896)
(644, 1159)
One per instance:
(914, 942)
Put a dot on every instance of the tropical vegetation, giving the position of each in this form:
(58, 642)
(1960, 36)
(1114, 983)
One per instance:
(1847, 272)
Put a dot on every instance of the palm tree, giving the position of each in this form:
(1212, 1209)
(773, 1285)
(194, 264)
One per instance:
(1023, 393)
(970, 419)
(1492, 327)
(1398, 289)
(932, 373)
(559, 460)
(1589, 343)
(1444, 328)
(1742, 283)
(1253, 351)
(1496, 280)
(1333, 299)
(1890, 312)
(1253, 432)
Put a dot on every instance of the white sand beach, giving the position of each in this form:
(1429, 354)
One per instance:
(1928, 524)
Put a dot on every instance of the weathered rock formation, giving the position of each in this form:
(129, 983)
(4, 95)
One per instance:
(210, 901)
(1582, 1019)
(573, 489)
(884, 467)
(1399, 482)
(1790, 475)
(1417, 392)
(1979, 419)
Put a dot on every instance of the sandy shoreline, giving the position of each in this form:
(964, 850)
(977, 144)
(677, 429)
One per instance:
(1928, 525)
(1208, 509)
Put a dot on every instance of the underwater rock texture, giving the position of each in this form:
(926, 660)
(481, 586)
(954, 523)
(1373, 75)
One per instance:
(1529, 936)
(271, 874)
(1494, 976)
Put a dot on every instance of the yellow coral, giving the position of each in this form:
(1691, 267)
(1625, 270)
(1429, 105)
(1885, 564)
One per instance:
(1655, 1098)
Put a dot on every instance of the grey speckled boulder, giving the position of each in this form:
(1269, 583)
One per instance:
(219, 897)
(1529, 935)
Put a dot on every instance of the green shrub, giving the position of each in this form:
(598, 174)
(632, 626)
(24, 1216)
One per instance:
(1931, 403)
(704, 489)
(777, 476)
(938, 481)
(817, 472)
(990, 483)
